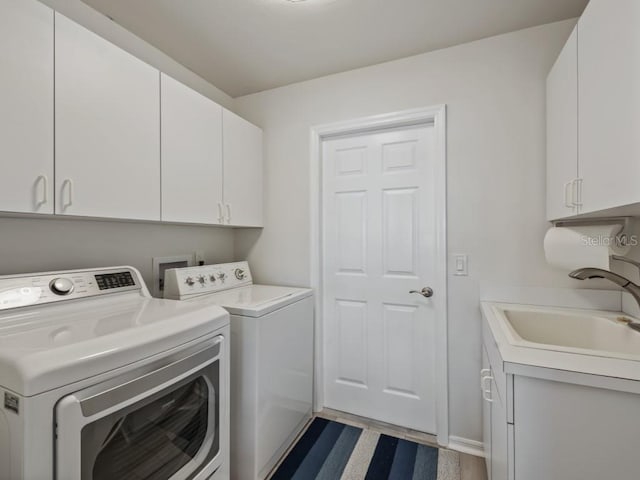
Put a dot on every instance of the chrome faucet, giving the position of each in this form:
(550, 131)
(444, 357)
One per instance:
(628, 285)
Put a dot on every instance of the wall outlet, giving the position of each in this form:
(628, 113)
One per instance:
(161, 264)
(199, 256)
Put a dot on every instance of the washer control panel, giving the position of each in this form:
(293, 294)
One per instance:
(25, 290)
(107, 281)
(180, 283)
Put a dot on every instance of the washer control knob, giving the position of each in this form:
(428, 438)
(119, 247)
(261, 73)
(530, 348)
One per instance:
(189, 281)
(202, 279)
(240, 275)
(61, 286)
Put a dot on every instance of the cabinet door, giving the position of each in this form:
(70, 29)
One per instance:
(567, 431)
(609, 100)
(26, 106)
(486, 412)
(562, 132)
(191, 155)
(107, 128)
(499, 436)
(242, 154)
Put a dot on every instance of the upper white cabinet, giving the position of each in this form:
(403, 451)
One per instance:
(609, 103)
(601, 62)
(26, 106)
(562, 132)
(242, 154)
(191, 155)
(211, 161)
(107, 128)
(122, 140)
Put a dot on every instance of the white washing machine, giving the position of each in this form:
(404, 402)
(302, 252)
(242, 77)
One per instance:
(100, 381)
(271, 359)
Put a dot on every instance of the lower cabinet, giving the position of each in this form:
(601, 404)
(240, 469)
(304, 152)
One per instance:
(566, 431)
(559, 426)
(495, 423)
(486, 410)
(499, 438)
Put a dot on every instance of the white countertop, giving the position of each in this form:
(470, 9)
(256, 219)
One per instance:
(602, 371)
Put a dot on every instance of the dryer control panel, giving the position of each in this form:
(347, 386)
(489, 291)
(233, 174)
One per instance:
(36, 289)
(181, 283)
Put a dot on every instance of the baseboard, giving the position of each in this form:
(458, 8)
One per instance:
(464, 445)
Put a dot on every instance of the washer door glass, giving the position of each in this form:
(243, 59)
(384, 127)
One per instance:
(153, 439)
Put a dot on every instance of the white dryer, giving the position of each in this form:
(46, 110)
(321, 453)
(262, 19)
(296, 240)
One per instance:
(271, 359)
(100, 381)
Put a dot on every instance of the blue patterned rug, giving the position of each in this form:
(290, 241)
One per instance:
(334, 451)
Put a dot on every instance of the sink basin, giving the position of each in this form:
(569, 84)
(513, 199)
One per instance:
(575, 331)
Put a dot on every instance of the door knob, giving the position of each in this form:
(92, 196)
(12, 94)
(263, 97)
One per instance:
(425, 292)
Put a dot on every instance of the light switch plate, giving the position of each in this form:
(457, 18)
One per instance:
(461, 264)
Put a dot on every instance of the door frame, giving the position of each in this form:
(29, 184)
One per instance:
(436, 116)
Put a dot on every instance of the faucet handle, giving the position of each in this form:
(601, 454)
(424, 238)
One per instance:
(627, 260)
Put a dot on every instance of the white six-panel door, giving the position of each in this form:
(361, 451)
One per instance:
(379, 242)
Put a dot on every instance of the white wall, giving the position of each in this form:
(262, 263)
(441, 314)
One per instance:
(495, 94)
(43, 244)
(108, 29)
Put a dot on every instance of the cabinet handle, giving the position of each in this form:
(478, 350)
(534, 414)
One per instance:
(576, 192)
(68, 185)
(486, 391)
(568, 195)
(485, 372)
(220, 214)
(42, 179)
(228, 213)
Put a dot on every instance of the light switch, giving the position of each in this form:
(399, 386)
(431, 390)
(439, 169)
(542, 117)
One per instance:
(461, 264)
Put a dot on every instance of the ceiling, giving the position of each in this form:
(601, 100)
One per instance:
(245, 46)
